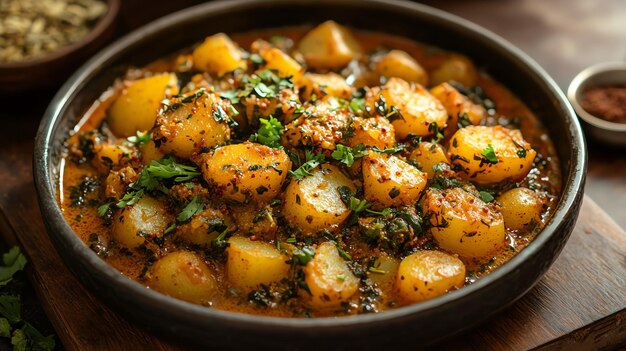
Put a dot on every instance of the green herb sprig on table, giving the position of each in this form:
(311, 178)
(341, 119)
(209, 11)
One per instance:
(24, 337)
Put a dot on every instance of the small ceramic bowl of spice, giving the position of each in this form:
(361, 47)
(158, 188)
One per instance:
(43, 41)
(598, 94)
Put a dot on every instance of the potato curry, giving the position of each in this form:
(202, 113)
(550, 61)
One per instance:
(305, 172)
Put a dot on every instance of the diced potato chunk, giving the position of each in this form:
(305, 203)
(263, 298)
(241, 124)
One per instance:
(457, 105)
(203, 228)
(149, 153)
(196, 125)
(218, 55)
(325, 84)
(109, 155)
(427, 155)
(247, 171)
(399, 64)
(321, 126)
(329, 45)
(521, 208)
(183, 275)
(390, 181)
(137, 106)
(148, 218)
(376, 131)
(456, 68)
(427, 274)
(251, 220)
(251, 263)
(488, 155)
(314, 203)
(283, 64)
(417, 107)
(329, 278)
(463, 223)
(383, 271)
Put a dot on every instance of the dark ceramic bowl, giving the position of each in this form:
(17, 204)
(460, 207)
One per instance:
(416, 324)
(53, 68)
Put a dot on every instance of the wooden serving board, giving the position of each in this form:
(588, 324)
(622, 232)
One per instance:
(580, 302)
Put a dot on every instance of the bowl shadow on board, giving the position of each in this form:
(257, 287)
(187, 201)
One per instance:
(418, 324)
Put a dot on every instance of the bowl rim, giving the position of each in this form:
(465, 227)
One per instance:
(572, 184)
(574, 90)
(101, 26)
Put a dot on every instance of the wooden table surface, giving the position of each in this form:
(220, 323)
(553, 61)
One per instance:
(560, 312)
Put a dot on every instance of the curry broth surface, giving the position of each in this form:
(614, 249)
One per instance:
(86, 222)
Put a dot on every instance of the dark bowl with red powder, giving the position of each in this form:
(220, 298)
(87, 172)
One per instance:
(598, 94)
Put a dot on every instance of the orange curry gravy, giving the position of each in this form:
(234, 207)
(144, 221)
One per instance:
(80, 205)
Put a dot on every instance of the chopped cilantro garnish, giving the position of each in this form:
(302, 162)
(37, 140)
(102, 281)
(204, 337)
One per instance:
(303, 255)
(357, 205)
(194, 207)
(489, 155)
(269, 133)
(140, 139)
(485, 196)
(312, 161)
(347, 155)
(434, 129)
(390, 150)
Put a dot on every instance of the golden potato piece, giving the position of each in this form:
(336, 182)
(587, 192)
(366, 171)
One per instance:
(457, 105)
(390, 181)
(521, 208)
(183, 275)
(463, 223)
(147, 218)
(281, 62)
(329, 45)
(247, 171)
(325, 84)
(321, 126)
(137, 106)
(314, 203)
(417, 107)
(218, 55)
(251, 263)
(199, 124)
(427, 274)
(426, 155)
(329, 278)
(376, 131)
(489, 155)
(399, 64)
(456, 68)
(383, 271)
(149, 153)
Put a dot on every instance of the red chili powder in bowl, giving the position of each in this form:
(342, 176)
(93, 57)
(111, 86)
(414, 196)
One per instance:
(606, 102)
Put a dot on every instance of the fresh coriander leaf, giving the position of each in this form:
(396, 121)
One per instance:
(232, 95)
(312, 161)
(463, 120)
(303, 255)
(357, 205)
(521, 153)
(490, 155)
(170, 228)
(5, 328)
(130, 198)
(357, 104)
(10, 308)
(394, 192)
(485, 196)
(384, 212)
(389, 151)
(19, 341)
(14, 261)
(270, 131)
(291, 240)
(342, 252)
(347, 155)
(194, 207)
(29, 338)
(257, 59)
(102, 210)
(140, 139)
(434, 129)
(167, 168)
